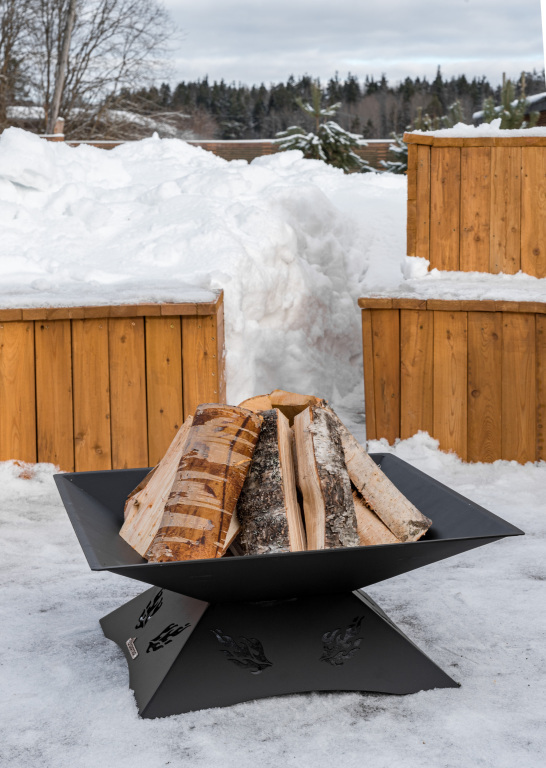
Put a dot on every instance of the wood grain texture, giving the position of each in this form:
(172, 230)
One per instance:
(540, 326)
(533, 211)
(450, 381)
(422, 197)
(475, 209)
(484, 386)
(55, 428)
(17, 392)
(201, 382)
(91, 383)
(163, 383)
(128, 392)
(445, 195)
(518, 387)
(505, 234)
(416, 372)
(386, 356)
(369, 374)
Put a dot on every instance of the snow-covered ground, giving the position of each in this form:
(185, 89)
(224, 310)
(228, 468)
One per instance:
(293, 244)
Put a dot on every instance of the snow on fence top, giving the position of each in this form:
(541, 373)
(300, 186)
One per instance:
(491, 130)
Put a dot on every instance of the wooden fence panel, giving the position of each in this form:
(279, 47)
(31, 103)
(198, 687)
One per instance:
(422, 196)
(518, 387)
(484, 386)
(55, 429)
(416, 372)
(450, 381)
(445, 192)
(386, 356)
(17, 392)
(475, 208)
(201, 383)
(533, 211)
(369, 393)
(505, 236)
(163, 383)
(91, 384)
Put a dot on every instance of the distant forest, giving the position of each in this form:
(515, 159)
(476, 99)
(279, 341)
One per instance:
(373, 108)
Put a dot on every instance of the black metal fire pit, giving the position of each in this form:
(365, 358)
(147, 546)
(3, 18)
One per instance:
(217, 632)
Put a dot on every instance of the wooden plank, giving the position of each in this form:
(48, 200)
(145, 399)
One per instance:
(91, 383)
(199, 362)
(422, 213)
(475, 209)
(445, 195)
(505, 227)
(450, 381)
(412, 165)
(10, 315)
(409, 303)
(445, 305)
(416, 372)
(386, 356)
(369, 392)
(518, 387)
(163, 383)
(17, 392)
(370, 303)
(55, 430)
(411, 227)
(221, 352)
(540, 322)
(484, 386)
(533, 211)
(127, 392)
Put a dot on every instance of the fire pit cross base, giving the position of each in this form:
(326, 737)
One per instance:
(186, 654)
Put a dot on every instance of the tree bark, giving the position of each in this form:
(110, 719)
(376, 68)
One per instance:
(62, 63)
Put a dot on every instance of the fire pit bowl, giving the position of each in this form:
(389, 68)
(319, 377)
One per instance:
(216, 632)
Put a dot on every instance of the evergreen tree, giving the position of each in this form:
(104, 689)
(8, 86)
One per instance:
(511, 111)
(400, 151)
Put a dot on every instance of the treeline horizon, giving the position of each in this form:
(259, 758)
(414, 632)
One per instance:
(372, 108)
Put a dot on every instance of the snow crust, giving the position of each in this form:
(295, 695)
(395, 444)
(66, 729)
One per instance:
(480, 616)
(462, 130)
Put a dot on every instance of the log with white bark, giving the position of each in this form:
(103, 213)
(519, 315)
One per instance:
(330, 519)
(403, 519)
(371, 530)
(208, 481)
(145, 505)
(268, 509)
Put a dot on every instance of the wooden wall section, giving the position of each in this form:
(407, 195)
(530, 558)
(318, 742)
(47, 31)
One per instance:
(478, 204)
(470, 373)
(90, 388)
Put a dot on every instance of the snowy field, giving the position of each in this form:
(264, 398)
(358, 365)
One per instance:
(293, 244)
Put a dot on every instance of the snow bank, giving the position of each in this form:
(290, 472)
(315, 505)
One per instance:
(462, 130)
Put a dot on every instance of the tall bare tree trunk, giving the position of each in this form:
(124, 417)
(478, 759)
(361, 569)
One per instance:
(60, 73)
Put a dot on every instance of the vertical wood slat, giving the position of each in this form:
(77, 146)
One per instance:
(220, 353)
(201, 383)
(484, 386)
(412, 202)
(518, 387)
(540, 321)
(17, 392)
(416, 372)
(533, 211)
(369, 390)
(475, 209)
(163, 383)
(445, 192)
(505, 231)
(128, 392)
(91, 384)
(386, 356)
(422, 214)
(450, 381)
(54, 404)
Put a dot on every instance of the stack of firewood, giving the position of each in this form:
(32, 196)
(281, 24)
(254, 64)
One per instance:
(236, 478)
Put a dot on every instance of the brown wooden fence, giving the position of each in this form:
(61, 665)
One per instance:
(470, 373)
(92, 388)
(478, 204)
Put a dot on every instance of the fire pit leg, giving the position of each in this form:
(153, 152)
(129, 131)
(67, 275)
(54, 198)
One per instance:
(186, 654)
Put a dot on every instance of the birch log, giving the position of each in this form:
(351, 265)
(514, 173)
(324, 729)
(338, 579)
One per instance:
(383, 497)
(208, 481)
(268, 509)
(289, 403)
(144, 506)
(371, 530)
(330, 519)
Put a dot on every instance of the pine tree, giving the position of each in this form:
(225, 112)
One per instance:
(330, 142)
(511, 111)
(400, 151)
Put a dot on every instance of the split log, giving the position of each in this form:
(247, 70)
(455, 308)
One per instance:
(371, 530)
(268, 508)
(144, 506)
(208, 481)
(330, 519)
(289, 403)
(383, 497)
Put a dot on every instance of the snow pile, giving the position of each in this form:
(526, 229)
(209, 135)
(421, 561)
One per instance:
(479, 615)
(462, 130)
(288, 240)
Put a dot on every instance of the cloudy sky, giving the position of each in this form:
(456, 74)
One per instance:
(251, 41)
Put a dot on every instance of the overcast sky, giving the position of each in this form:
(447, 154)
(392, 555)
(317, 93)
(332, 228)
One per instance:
(250, 41)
